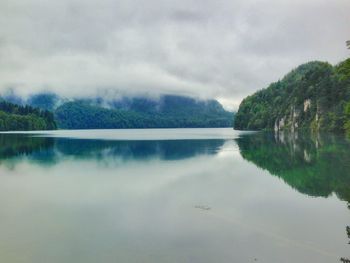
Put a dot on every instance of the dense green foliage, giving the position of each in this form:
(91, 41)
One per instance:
(166, 112)
(315, 96)
(313, 165)
(23, 118)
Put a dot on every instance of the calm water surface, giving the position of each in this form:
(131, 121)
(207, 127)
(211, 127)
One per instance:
(173, 195)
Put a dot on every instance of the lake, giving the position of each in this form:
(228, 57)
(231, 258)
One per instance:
(173, 195)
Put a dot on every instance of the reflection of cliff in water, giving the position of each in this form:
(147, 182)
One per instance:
(51, 150)
(314, 165)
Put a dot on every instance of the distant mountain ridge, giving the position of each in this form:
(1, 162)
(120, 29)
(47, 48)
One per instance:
(315, 96)
(166, 111)
(44, 100)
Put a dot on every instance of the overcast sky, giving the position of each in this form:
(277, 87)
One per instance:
(223, 49)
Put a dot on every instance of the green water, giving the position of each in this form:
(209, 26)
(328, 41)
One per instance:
(173, 195)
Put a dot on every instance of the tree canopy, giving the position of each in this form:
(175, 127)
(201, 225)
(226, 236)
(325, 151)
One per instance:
(23, 118)
(315, 95)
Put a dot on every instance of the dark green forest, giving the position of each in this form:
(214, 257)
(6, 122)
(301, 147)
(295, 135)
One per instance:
(23, 118)
(167, 112)
(315, 96)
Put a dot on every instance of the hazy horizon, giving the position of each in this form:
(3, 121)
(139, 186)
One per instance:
(205, 49)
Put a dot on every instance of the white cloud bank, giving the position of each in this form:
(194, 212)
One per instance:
(211, 49)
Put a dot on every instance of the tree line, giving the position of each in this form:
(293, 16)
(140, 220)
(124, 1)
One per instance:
(315, 95)
(24, 118)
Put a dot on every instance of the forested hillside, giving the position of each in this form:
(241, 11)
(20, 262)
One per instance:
(166, 112)
(23, 118)
(102, 112)
(316, 96)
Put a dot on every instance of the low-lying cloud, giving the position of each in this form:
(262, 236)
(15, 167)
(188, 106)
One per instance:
(210, 49)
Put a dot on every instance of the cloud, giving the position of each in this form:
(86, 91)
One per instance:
(210, 49)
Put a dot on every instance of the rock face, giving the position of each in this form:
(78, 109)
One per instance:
(290, 121)
(296, 116)
(307, 105)
(279, 124)
(312, 96)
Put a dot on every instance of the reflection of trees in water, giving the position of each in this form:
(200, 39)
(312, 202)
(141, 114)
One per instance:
(316, 165)
(14, 145)
(51, 150)
(165, 150)
(346, 260)
(313, 165)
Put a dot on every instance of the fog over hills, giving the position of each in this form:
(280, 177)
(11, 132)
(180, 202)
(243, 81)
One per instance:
(221, 50)
(102, 112)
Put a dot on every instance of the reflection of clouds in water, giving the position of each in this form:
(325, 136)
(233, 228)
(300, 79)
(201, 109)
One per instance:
(229, 148)
(104, 152)
(111, 208)
(142, 134)
(136, 176)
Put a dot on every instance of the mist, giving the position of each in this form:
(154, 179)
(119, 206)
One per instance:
(206, 49)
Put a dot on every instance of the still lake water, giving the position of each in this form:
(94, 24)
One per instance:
(173, 195)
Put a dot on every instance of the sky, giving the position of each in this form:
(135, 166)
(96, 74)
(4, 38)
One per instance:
(220, 49)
